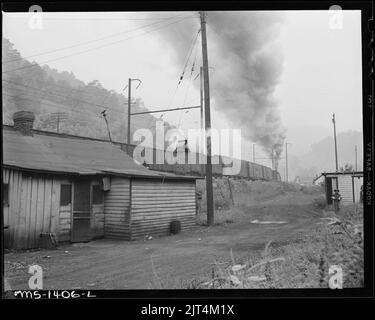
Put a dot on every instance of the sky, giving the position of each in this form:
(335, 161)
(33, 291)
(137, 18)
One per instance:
(321, 65)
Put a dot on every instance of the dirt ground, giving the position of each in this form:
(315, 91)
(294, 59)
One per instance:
(166, 262)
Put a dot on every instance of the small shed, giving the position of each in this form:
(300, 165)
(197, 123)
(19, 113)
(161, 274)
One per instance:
(78, 189)
(349, 185)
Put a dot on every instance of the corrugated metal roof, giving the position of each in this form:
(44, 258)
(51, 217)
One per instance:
(61, 154)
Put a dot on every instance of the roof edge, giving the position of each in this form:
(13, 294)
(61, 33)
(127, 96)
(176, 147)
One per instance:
(103, 173)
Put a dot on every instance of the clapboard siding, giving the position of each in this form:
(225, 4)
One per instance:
(346, 188)
(33, 208)
(97, 221)
(116, 208)
(155, 203)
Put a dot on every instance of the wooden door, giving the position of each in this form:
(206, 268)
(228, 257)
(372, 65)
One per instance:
(81, 230)
(329, 190)
(357, 183)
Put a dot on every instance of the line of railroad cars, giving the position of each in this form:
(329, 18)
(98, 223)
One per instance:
(249, 170)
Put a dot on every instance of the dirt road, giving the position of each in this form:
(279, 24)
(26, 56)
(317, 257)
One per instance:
(168, 262)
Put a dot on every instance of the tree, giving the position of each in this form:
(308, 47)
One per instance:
(347, 168)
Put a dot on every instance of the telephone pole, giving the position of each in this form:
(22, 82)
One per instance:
(59, 116)
(129, 104)
(103, 113)
(334, 135)
(129, 107)
(356, 163)
(206, 86)
(201, 95)
(286, 161)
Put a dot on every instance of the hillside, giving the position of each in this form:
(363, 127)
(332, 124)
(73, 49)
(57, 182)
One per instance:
(28, 86)
(321, 156)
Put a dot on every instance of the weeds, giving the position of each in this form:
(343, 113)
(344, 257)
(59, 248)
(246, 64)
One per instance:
(338, 240)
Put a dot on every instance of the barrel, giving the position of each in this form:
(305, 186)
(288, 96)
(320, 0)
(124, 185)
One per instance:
(175, 227)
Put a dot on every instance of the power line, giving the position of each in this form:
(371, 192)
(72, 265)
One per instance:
(64, 96)
(108, 19)
(90, 41)
(191, 72)
(50, 103)
(164, 110)
(189, 84)
(91, 49)
(96, 18)
(187, 58)
(78, 100)
(72, 108)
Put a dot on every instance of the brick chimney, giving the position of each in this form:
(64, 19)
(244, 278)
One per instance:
(23, 122)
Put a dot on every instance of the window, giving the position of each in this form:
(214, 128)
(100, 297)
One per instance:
(65, 194)
(97, 194)
(5, 194)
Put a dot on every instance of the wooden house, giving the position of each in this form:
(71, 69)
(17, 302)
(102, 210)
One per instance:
(349, 185)
(77, 189)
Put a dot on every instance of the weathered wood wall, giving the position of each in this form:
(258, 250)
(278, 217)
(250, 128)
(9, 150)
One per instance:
(116, 207)
(33, 208)
(155, 203)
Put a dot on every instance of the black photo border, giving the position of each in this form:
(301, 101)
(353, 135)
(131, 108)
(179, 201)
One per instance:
(229, 295)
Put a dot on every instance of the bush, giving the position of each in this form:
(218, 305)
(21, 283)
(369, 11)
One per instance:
(303, 263)
(320, 202)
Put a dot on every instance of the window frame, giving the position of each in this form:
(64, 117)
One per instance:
(70, 194)
(93, 194)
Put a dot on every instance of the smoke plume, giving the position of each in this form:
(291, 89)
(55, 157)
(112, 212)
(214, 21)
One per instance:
(247, 64)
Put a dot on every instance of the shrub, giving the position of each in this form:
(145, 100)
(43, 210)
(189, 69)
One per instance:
(303, 263)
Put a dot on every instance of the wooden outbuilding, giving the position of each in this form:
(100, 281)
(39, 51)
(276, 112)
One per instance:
(77, 189)
(349, 185)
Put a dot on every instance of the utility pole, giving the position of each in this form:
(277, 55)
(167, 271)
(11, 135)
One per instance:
(272, 160)
(356, 163)
(202, 108)
(58, 116)
(106, 122)
(209, 192)
(286, 161)
(129, 104)
(201, 96)
(334, 135)
(129, 108)
(254, 152)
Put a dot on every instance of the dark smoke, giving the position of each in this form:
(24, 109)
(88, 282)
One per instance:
(247, 65)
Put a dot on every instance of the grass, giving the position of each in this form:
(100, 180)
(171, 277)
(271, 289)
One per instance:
(302, 263)
(247, 196)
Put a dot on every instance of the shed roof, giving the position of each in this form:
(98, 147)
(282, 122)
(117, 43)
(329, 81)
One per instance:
(56, 153)
(352, 173)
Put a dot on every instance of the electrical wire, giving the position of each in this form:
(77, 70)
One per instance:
(191, 73)
(90, 41)
(94, 48)
(117, 111)
(187, 58)
(63, 96)
(101, 106)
